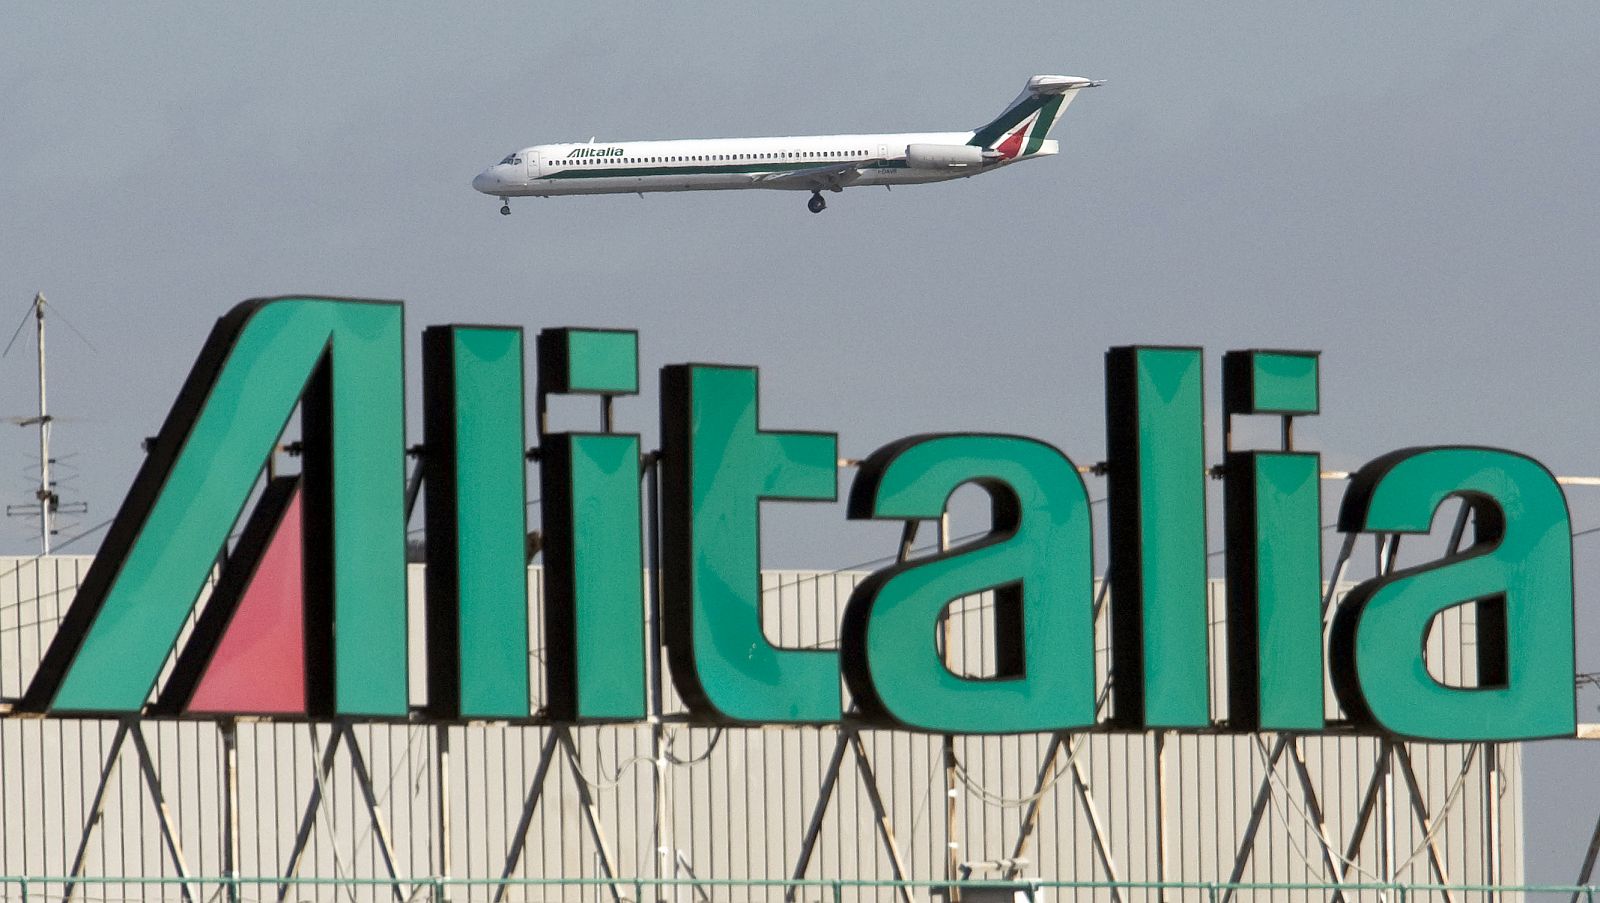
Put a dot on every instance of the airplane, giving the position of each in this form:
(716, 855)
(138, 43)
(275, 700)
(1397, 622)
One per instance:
(814, 163)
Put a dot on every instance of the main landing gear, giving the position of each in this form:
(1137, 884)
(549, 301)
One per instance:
(505, 207)
(816, 204)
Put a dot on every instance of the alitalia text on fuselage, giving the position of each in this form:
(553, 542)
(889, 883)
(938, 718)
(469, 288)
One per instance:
(814, 163)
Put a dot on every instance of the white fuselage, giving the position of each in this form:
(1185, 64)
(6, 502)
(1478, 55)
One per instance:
(807, 163)
(814, 163)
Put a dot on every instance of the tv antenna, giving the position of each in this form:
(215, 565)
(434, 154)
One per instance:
(47, 504)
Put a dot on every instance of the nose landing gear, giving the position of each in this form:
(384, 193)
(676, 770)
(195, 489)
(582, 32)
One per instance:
(505, 207)
(816, 204)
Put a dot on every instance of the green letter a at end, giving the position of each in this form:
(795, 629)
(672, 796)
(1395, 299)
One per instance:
(346, 359)
(1518, 570)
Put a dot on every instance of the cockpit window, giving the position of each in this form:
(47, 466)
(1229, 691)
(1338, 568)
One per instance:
(511, 158)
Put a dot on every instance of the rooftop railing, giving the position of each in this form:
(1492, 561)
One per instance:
(109, 889)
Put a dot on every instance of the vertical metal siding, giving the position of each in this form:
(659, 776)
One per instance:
(738, 800)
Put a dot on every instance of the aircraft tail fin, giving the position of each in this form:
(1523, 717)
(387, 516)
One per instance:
(1021, 129)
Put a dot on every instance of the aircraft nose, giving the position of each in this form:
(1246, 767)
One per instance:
(485, 182)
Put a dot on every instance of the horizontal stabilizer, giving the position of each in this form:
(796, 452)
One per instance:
(1059, 84)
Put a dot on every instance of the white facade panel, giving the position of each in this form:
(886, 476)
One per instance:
(736, 803)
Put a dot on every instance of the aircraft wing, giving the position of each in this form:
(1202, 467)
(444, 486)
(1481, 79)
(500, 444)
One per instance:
(818, 178)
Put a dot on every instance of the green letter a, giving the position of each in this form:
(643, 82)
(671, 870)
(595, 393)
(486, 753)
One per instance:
(1037, 561)
(1518, 570)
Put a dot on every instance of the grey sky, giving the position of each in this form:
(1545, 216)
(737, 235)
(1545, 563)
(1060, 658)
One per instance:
(1409, 187)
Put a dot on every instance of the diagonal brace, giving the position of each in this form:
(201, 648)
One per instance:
(1330, 858)
(519, 837)
(830, 778)
(380, 828)
(163, 814)
(96, 810)
(881, 813)
(1435, 856)
(1369, 801)
(591, 812)
(1247, 843)
(1097, 827)
(303, 834)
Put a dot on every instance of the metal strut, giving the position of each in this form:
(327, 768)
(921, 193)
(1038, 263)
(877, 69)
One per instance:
(169, 834)
(830, 777)
(849, 740)
(374, 809)
(341, 732)
(519, 837)
(591, 812)
(1097, 827)
(1247, 843)
(1330, 857)
(1420, 809)
(1369, 801)
(559, 736)
(1589, 857)
(1030, 819)
(885, 830)
(96, 810)
(303, 834)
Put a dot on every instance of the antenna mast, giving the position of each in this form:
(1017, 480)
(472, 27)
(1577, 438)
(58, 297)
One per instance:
(46, 494)
(49, 503)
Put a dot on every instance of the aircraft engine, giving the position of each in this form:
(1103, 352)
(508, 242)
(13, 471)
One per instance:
(944, 156)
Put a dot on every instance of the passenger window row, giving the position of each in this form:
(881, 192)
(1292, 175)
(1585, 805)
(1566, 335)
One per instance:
(824, 156)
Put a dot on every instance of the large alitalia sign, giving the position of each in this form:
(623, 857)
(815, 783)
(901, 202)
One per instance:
(309, 615)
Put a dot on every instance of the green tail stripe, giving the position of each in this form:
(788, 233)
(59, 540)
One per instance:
(991, 133)
(1041, 126)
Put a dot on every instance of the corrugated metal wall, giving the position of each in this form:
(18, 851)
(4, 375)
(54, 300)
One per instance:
(737, 801)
